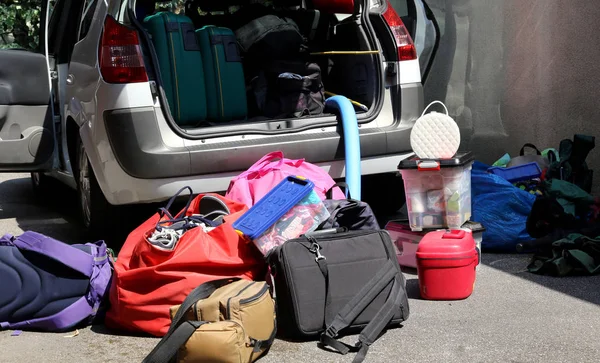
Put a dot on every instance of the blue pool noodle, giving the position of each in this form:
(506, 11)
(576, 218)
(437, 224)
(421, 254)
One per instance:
(347, 116)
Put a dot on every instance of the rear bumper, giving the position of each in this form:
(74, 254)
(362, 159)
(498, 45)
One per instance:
(137, 158)
(137, 141)
(120, 188)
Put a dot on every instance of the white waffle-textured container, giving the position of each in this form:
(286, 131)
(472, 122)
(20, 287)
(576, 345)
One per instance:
(438, 192)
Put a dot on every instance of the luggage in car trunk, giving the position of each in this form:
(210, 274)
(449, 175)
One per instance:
(180, 65)
(289, 89)
(224, 74)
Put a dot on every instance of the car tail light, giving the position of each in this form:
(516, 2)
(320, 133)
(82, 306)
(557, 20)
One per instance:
(120, 54)
(406, 47)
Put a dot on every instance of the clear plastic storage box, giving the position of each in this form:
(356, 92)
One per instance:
(438, 192)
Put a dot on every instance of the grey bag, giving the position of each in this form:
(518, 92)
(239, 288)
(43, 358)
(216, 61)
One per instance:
(523, 158)
(331, 281)
(348, 213)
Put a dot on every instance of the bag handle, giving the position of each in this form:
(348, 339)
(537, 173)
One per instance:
(180, 331)
(434, 102)
(165, 210)
(531, 146)
(266, 160)
(341, 185)
(266, 164)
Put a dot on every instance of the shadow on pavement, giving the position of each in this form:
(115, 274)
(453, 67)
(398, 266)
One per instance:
(103, 330)
(55, 214)
(580, 287)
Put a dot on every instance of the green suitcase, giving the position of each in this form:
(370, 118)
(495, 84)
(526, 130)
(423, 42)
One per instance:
(180, 65)
(225, 83)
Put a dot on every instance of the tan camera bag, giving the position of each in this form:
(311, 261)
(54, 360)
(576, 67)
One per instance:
(228, 321)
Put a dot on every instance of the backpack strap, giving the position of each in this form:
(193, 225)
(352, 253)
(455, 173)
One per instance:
(386, 275)
(67, 255)
(95, 266)
(69, 316)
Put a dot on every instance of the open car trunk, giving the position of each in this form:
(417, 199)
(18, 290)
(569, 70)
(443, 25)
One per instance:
(338, 50)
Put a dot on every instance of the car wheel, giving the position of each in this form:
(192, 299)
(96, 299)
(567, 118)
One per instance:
(94, 209)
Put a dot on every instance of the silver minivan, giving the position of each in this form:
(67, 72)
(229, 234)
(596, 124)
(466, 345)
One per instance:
(87, 109)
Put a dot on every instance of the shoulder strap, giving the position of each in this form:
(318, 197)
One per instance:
(69, 256)
(372, 331)
(69, 316)
(167, 347)
(357, 304)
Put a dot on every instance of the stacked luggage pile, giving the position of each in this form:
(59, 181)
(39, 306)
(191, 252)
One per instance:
(283, 253)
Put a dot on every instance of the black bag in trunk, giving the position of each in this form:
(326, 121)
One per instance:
(270, 37)
(329, 282)
(289, 89)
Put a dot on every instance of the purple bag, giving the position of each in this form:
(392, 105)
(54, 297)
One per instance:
(49, 285)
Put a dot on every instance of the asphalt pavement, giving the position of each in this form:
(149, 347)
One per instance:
(512, 316)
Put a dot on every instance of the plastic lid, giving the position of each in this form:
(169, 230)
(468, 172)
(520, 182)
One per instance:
(473, 226)
(447, 244)
(399, 226)
(413, 162)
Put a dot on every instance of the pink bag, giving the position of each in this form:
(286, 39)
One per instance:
(265, 174)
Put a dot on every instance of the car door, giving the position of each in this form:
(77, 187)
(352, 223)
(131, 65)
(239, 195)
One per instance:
(423, 29)
(27, 140)
(427, 36)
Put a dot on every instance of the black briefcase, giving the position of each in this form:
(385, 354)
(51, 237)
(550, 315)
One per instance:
(334, 281)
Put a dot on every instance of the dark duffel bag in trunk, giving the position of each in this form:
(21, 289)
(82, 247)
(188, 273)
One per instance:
(329, 282)
(270, 37)
(289, 89)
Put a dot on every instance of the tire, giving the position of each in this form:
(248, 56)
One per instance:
(93, 209)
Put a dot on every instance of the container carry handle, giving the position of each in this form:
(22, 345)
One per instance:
(440, 102)
(531, 146)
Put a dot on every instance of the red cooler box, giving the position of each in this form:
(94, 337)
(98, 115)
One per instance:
(446, 262)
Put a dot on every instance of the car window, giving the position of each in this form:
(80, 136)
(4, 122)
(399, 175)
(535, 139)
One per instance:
(174, 6)
(89, 7)
(400, 6)
(178, 7)
(20, 24)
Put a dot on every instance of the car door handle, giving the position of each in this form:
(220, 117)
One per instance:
(70, 79)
